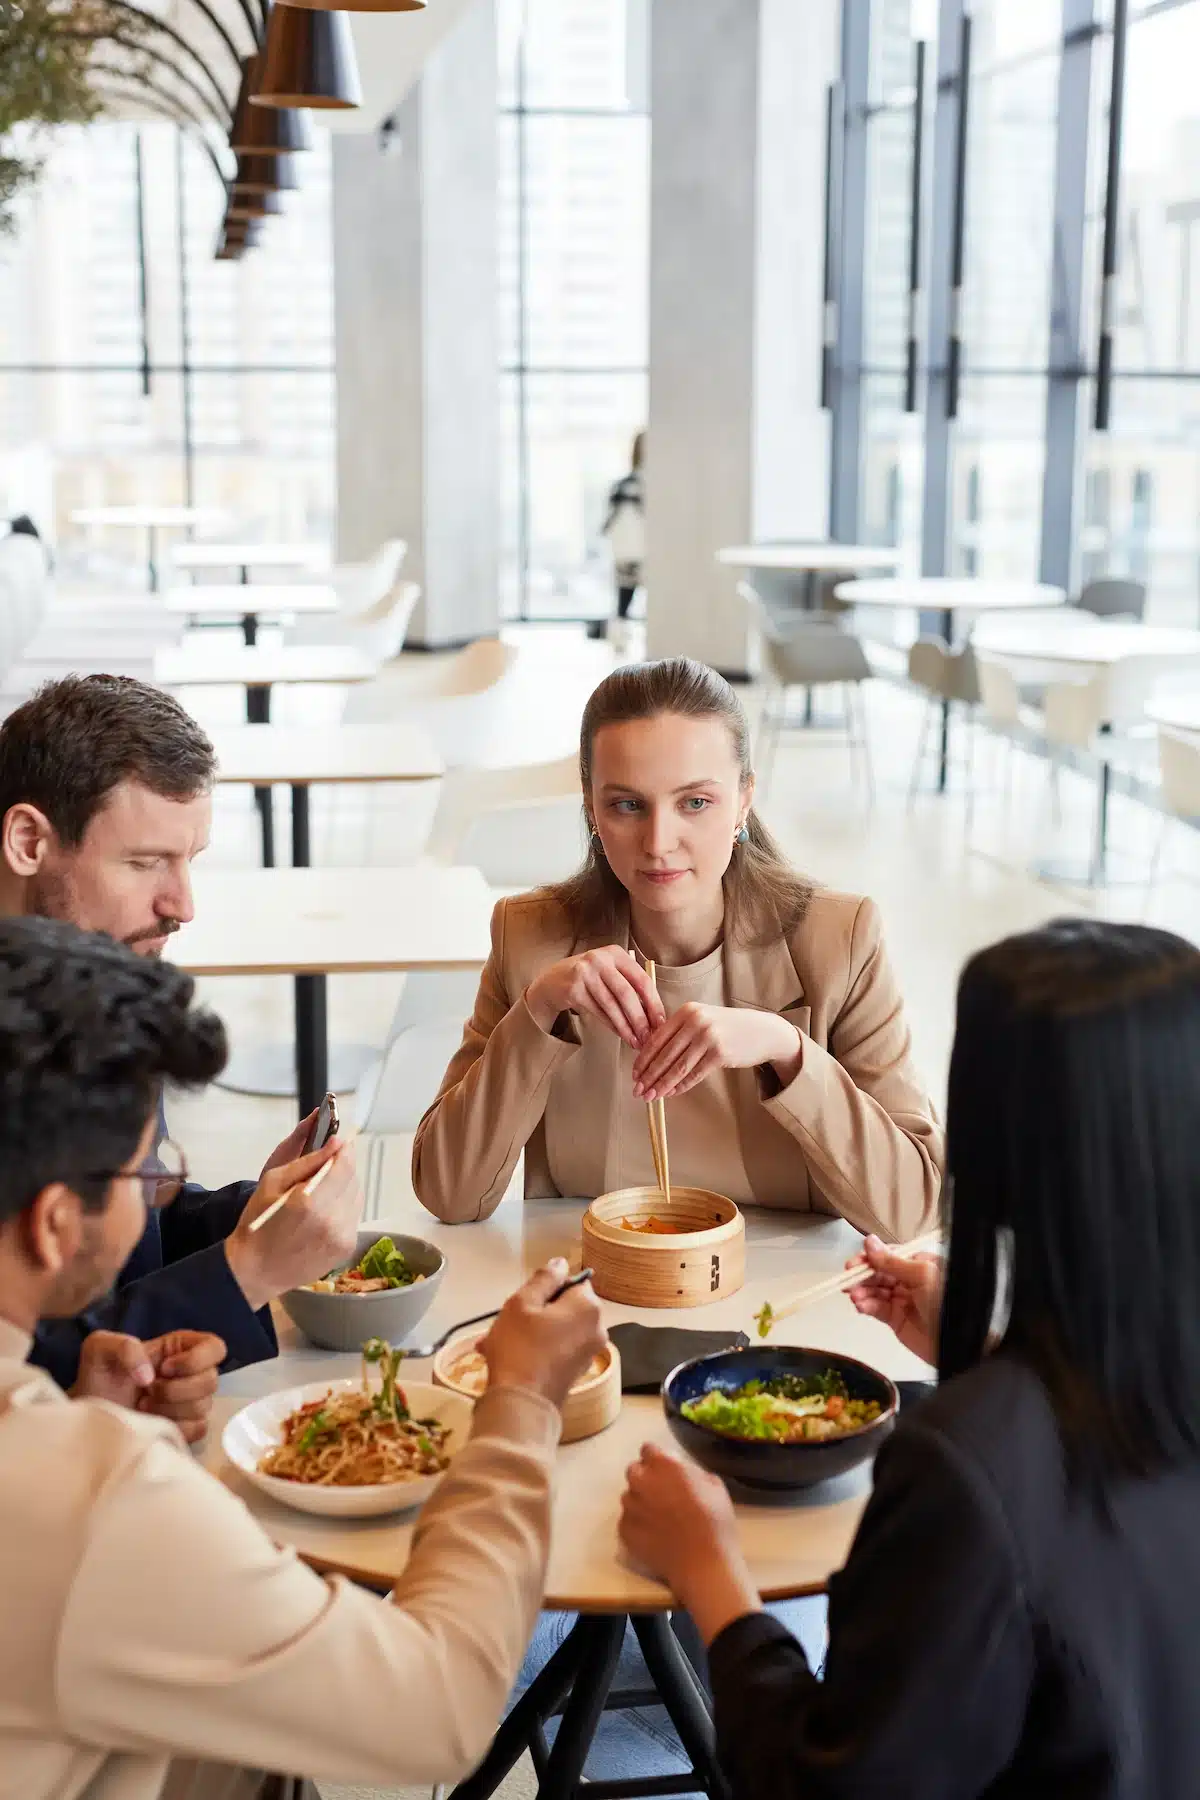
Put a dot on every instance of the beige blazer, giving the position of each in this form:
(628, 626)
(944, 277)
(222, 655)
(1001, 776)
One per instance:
(854, 1133)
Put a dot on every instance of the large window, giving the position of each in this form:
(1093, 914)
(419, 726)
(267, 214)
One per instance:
(213, 388)
(1016, 480)
(574, 199)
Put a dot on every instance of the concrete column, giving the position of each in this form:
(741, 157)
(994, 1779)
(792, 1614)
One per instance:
(737, 446)
(415, 319)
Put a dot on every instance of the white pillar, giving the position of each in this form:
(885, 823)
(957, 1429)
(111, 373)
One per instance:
(737, 446)
(415, 311)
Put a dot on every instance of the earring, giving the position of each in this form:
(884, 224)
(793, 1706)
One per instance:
(743, 836)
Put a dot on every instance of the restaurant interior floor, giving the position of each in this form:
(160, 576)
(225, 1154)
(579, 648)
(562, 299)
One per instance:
(941, 897)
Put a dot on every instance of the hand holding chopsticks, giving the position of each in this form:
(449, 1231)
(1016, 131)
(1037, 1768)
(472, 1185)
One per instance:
(770, 1314)
(656, 1113)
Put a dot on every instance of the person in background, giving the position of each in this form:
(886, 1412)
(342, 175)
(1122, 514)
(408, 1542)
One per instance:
(1017, 1616)
(148, 1620)
(776, 1031)
(625, 529)
(105, 800)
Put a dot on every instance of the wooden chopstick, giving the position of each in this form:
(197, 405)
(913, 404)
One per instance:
(848, 1278)
(306, 1188)
(656, 1115)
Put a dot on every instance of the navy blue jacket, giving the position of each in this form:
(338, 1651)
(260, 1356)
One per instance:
(178, 1278)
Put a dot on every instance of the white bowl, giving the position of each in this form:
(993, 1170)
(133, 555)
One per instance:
(255, 1430)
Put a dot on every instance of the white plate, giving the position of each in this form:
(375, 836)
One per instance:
(255, 1430)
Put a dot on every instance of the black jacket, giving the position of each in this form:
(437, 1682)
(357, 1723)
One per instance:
(991, 1634)
(178, 1278)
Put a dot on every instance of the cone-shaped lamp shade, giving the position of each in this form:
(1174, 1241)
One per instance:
(231, 250)
(253, 206)
(363, 5)
(308, 60)
(266, 175)
(265, 129)
(249, 229)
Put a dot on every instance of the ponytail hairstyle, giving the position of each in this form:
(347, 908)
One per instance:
(764, 896)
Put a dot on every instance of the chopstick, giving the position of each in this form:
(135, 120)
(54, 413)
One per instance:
(848, 1278)
(656, 1115)
(307, 1188)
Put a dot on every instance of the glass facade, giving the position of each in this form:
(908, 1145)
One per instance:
(973, 493)
(215, 389)
(574, 245)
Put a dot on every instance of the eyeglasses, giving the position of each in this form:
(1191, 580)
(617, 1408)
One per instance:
(161, 1177)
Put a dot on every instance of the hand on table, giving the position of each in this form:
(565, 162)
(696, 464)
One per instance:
(542, 1345)
(678, 1523)
(905, 1292)
(173, 1376)
(609, 984)
(306, 1238)
(698, 1039)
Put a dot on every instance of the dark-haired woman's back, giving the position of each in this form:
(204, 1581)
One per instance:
(997, 1631)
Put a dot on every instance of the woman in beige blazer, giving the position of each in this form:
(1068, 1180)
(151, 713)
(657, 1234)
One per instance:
(776, 1034)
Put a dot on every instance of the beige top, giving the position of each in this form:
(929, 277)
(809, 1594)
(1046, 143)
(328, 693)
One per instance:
(854, 1132)
(147, 1616)
(702, 1137)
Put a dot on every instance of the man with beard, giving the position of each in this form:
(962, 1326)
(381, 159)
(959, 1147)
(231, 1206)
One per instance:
(105, 800)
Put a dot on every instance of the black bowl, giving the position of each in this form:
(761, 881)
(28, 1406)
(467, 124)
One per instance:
(781, 1468)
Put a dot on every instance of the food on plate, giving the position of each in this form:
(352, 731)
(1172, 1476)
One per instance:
(381, 1268)
(359, 1437)
(469, 1371)
(764, 1318)
(787, 1409)
(656, 1226)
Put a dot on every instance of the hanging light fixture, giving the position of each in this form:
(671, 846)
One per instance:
(265, 130)
(362, 5)
(307, 60)
(253, 206)
(266, 174)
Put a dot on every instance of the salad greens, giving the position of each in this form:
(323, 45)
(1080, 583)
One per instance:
(383, 1262)
(390, 1402)
(786, 1409)
(764, 1318)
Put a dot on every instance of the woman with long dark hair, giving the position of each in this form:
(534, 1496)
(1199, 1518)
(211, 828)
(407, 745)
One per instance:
(1018, 1612)
(776, 1033)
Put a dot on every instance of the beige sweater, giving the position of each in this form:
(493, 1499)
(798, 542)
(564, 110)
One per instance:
(146, 1616)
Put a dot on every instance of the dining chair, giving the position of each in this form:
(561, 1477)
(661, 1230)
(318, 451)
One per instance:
(1179, 793)
(945, 676)
(1113, 597)
(808, 651)
(521, 826)
(379, 631)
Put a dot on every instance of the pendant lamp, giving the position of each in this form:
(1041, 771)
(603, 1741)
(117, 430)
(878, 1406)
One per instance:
(392, 6)
(262, 129)
(266, 174)
(231, 250)
(253, 206)
(249, 231)
(307, 60)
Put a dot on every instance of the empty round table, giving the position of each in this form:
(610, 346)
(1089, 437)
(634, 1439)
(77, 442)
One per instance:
(151, 520)
(250, 603)
(246, 557)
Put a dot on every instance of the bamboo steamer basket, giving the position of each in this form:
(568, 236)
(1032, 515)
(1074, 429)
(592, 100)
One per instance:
(691, 1268)
(590, 1407)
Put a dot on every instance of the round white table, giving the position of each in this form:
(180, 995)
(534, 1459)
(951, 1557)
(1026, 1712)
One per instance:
(792, 1546)
(311, 923)
(950, 595)
(245, 557)
(250, 604)
(817, 558)
(1178, 712)
(151, 520)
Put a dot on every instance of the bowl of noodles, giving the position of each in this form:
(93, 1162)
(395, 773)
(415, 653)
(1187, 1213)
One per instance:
(779, 1417)
(351, 1449)
(384, 1291)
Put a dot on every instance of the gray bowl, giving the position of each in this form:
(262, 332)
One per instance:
(346, 1321)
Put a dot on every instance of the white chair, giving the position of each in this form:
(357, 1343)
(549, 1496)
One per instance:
(1179, 792)
(1012, 723)
(1097, 724)
(379, 631)
(944, 676)
(452, 698)
(808, 651)
(361, 585)
(520, 826)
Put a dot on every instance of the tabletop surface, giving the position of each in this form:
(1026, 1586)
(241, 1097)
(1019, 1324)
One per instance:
(144, 515)
(1180, 711)
(805, 557)
(259, 665)
(792, 1546)
(265, 753)
(250, 556)
(253, 597)
(1075, 637)
(946, 593)
(335, 921)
